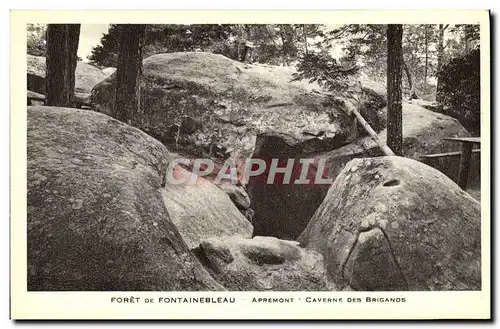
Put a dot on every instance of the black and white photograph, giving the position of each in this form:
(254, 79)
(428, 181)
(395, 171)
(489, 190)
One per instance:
(263, 158)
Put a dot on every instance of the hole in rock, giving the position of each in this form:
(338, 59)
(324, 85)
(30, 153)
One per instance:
(392, 182)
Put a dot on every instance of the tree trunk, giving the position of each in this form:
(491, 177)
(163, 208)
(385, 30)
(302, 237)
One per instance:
(408, 77)
(394, 88)
(128, 74)
(304, 32)
(62, 47)
(440, 55)
(287, 33)
(73, 41)
(283, 46)
(241, 39)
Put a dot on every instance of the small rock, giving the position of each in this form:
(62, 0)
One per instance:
(263, 263)
(382, 223)
(77, 204)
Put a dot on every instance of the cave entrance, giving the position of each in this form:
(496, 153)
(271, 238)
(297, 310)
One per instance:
(282, 210)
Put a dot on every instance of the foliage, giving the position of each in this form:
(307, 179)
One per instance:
(325, 70)
(36, 39)
(365, 44)
(460, 89)
(466, 39)
(273, 44)
(106, 54)
(162, 38)
(420, 56)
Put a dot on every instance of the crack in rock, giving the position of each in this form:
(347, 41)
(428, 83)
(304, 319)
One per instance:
(363, 235)
(395, 259)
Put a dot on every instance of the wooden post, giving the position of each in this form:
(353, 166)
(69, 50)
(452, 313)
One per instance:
(463, 173)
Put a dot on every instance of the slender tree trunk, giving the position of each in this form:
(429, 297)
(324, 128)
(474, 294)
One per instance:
(394, 88)
(408, 77)
(283, 46)
(242, 36)
(426, 72)
(467, 40)
(304, 32)
(287, 33)
(128, 74)
(440, 55)
(467, 45)
(61, 60)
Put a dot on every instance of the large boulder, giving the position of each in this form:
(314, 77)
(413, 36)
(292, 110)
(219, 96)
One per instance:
(202, 210)
(96, 216)
(86, 77)
(392, 223)
(423, 133)
(263, 263)
(216, 107)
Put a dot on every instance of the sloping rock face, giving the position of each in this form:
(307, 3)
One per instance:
(96, 217)
(216, 107)
(86, 77)
(202, 210)
(263, 263)
(423, 133)
(391, 223)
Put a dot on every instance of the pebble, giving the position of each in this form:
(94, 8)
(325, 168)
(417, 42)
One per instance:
(78, 204)
(381, 208)
(382, 223)
(77, 161)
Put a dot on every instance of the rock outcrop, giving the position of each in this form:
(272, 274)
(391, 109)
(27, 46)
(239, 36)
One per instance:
(86, 77)
(263, 263)
(423, 133)
(392, 223)
(210, 106)
(217, 107)
(96, 218)
(202, 210)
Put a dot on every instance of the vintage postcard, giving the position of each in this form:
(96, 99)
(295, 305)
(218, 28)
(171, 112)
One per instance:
(250, 164)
